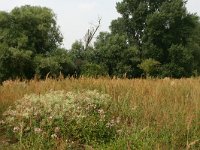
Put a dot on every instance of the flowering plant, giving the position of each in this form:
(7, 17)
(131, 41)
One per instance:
(76, 116)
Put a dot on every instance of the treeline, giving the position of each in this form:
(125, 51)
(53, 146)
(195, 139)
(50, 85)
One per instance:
(157, 38)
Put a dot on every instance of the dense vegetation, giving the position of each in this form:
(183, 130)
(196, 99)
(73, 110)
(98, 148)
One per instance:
(151, 38)
(102, 114)
(157, 38)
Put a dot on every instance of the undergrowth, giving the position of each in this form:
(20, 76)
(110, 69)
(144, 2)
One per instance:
(101, 114)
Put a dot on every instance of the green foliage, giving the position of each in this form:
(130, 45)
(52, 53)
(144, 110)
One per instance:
(46, 65)
(180, 63)
(172, 70)
(93, 70)
(77, 54)
(77, 50)
(54, 65)
(30, 27)
(15, 63)
(4, 56)
(29, 44)
(182, 57)
(63, 58)
(161, 30)
(144, 114)
(84, 59)
(113, 52)
(149, 66)
(82, 117)
(194, 46)
(172, 25)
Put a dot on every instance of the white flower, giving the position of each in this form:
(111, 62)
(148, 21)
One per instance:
(16, 129)
(37, 130)
(46, 108)
(2, 122)
(101, 111)
(57, 130)
(27, 129)
(119, 131)
(54, 136)
(118, 120)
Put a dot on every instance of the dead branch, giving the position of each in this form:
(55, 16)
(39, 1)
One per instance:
(90, 34)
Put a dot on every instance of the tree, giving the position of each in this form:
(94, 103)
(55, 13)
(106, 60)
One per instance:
(91, 33)
(180, 62)
(150, 67)
(15, 63)
(156, 28)
(112, 51)
(194, 46)
(58, 62)
(133, 20)
(93, 70)
(171, 25)
(28, 33)
(77, 54)
(30, 28)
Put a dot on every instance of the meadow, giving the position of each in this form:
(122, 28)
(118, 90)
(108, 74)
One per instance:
(140, 114)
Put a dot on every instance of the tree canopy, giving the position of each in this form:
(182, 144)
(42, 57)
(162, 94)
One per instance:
(29, 36)
(161, 30)
(30, 28)
(158, 38)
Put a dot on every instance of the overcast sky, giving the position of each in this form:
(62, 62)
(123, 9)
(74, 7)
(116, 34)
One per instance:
(75, 16)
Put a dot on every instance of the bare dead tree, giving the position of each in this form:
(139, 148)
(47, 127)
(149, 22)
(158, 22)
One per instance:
(91, 33)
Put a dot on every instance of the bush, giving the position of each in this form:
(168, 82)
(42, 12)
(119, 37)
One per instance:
(81, 117)
(54, 64)
(149, 66)
(93, 70)
(172, 70)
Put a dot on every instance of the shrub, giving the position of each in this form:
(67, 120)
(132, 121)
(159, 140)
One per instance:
(149, 66)
(93, 70)
(81, 117)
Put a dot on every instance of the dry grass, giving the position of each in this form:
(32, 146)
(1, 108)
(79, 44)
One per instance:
(168, 110)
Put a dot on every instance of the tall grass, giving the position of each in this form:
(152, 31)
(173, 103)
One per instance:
(155, 113)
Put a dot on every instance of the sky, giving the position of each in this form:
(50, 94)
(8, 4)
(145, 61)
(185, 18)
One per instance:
(75, 16)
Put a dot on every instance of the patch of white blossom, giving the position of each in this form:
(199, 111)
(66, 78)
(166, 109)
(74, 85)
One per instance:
(37, 112)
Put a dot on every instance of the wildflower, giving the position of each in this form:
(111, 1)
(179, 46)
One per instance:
(119, 131)
(101, 111)
(25, 115)
(27, 129)
(112, 121)
(54, 136)
(57, 130)
(102, 117)
(108, 125)
(134, 108)
(118, 120)
(16, 129)
(37, 130)
(2, 122)
(51, 117)
(54, 106)
(43, 122)
(102, 114)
